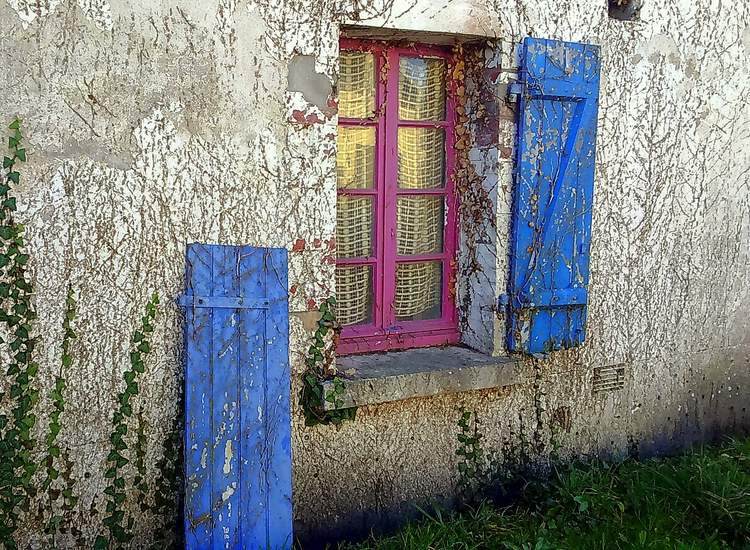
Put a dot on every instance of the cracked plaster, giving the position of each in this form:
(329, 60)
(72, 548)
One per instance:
(152, 125)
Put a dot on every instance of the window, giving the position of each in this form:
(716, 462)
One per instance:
(396, 206)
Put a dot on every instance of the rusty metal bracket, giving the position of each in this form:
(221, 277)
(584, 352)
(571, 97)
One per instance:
(515, 89)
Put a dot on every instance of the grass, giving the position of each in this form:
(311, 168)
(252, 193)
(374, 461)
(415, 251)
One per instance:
(700, 500)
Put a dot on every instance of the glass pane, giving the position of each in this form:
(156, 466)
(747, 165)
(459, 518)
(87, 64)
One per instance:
(356, 85)
(421, 158)
(355, 159)
(354, 227)
(354, 295)
(420, 223)
(421, 88)
(418, 291)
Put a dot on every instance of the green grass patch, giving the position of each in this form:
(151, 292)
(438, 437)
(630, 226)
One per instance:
(700, 500)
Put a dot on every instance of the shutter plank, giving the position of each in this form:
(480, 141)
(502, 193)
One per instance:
(278, 405)
(254, 505)
(198, 399)
(226, 403)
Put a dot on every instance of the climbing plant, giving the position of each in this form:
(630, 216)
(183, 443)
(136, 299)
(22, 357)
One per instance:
(168, 489)
(19, 397)
(319, 369)
(472, 468)
(17, 467)
(140, 483)
(120, 531)
(56, 461)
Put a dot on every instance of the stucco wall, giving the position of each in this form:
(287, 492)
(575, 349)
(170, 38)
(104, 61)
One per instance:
(155, 124)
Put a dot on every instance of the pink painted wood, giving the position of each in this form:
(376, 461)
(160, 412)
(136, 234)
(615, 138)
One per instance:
(386, 332)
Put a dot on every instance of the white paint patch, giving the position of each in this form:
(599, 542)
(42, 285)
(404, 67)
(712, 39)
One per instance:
(228, 492)
(28, 10)
(228, 454)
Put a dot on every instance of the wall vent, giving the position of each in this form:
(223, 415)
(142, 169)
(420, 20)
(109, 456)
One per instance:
(609, 378)
(625, 10)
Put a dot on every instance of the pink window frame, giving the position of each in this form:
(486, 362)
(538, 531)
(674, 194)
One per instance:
(385, 332)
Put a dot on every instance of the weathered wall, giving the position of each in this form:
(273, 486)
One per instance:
(155, 124)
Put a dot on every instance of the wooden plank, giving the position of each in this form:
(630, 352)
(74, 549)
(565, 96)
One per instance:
(198, 398)
(254, 463)
(225, 496)
(278, 407)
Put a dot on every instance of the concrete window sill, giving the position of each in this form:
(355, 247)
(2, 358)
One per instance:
(424, 372)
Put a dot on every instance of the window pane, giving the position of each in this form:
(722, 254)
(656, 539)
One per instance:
(354, 226)
(420, 223)
(421, 158)
(418, 291)
(356, 85)
(354, 295)
(421, 88)
(355, 159)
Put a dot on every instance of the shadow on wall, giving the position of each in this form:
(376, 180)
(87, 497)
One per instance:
(711, 409)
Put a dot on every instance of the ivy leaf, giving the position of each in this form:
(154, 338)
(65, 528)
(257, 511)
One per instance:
(15, 177)
(101, 543)
(16, 124)
(21, 155)
(7, 162)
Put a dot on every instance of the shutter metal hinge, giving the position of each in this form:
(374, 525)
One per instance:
(515, 89)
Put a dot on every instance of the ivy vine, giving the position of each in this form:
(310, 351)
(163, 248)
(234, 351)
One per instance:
(56, 461)
(120, 531)
(139, 449)
(19, 396)
(17, 314)
(472, 466)
(168, 489)
(319, 369)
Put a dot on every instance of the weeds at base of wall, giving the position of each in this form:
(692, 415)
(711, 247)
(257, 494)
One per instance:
(319, 368)
(488, 475)
(499, 475)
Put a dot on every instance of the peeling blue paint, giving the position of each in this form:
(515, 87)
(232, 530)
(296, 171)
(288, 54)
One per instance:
(552, 199)
(238, 424)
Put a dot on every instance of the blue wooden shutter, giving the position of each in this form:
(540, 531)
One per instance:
(558, 94)
(237, 415)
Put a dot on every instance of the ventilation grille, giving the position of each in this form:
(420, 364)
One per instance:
(608, 379)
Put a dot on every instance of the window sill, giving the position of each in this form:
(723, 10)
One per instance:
(424, 372)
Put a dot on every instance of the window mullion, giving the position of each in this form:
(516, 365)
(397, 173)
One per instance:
(380, 178)
(390, 189)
